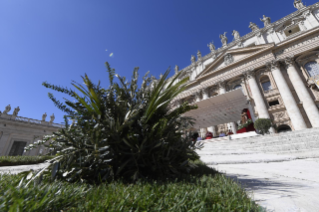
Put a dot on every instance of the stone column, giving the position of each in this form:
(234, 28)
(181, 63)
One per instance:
(233, 127)
(302, 92)
(287, 97)
(4, 143)
(197, 96)
(203, 132)
(205, 93)
(257, 96)
(222, 87)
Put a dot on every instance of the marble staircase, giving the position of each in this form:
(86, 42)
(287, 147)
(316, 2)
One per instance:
(269, 148)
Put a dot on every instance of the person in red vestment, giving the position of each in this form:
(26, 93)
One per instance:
(209, 135)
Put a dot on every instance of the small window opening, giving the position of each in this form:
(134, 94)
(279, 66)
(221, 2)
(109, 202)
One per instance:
(274, 103)
(292, 31)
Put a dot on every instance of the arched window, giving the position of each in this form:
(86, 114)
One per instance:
(265, 83)
(237, 87)
(312, 68)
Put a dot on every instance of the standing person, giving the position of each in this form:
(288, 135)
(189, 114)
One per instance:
(194, 137)
(230, 132)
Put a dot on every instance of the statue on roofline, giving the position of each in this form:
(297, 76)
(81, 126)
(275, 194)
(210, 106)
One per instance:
(224, 39)
(253, 26)
(199, 55)
(8, 108)
(16, 111)
(211, 46)
(44, 116)
(298, 4)
(193, 59)
(236, 34)
(52, 117)
(266, 20)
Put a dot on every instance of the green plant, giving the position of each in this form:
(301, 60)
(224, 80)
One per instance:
(122, 132)
(263, 125)
(249, 121)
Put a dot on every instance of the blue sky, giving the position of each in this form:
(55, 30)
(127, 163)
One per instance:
(59, 40)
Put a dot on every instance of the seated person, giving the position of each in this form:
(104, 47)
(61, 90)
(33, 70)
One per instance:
(222, 134)
(209, 135)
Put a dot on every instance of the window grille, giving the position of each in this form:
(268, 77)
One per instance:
(266, 86)
(312, 68)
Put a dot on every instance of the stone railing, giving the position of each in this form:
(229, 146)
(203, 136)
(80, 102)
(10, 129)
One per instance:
(30, 120)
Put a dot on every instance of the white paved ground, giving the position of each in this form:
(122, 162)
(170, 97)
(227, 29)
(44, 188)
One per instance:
(280, 172)
(279, 186)
(22, 168)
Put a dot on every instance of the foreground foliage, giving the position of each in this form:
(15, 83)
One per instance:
(194, 192)
(125, 131)
(263, 125)
(22, 160)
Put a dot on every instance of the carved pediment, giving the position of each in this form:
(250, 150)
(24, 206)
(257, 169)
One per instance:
(231, 57)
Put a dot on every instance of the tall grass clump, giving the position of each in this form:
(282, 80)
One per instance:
(126, 131)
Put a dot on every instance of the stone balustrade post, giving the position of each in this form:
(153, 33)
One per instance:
(302, 92)
(291, 106)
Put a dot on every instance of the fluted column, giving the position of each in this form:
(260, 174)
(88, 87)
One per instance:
(257, 96)
(291, 106)
(303, 94)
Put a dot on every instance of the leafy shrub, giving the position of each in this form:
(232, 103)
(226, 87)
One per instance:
(123, 131)
(263, 125)
(22, 160)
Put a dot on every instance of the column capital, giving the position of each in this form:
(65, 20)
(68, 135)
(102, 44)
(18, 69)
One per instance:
(221, 84)
(249, 74)
(205, 91)
(274, 64)
(289, 61)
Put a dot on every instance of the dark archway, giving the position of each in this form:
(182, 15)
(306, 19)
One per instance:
(283, 128)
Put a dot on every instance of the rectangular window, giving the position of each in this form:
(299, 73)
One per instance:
(17, 148)
(274, 103)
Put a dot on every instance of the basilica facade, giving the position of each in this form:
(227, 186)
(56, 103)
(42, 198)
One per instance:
(273, 72)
